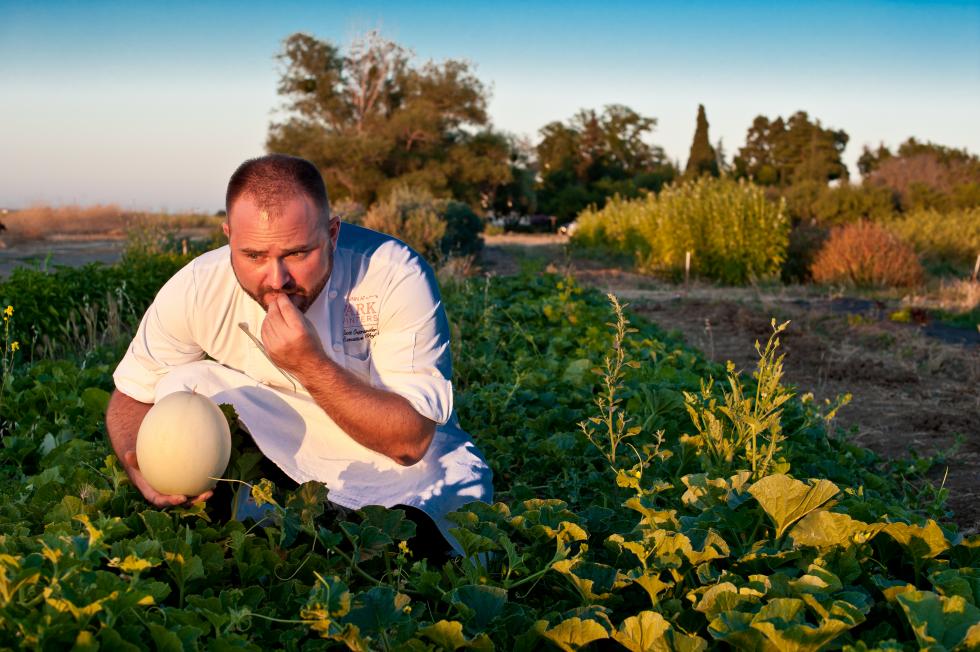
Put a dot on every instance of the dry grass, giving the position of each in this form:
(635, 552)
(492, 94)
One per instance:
(958, 296)
(41, 222)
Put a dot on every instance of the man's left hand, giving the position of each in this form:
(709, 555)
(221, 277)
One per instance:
(288, 336)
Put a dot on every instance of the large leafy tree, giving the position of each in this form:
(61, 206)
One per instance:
(702, 159)
(781, 153)
(924, 175)
(371, 120)
(595, 155)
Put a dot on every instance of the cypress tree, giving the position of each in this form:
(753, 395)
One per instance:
(702, 159)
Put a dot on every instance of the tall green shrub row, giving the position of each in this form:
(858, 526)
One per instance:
(733, 232)
(937, 236)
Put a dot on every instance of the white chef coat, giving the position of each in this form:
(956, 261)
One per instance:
(380, 316)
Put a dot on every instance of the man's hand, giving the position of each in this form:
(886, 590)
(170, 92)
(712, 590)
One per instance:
(153, 496)
(288, 336)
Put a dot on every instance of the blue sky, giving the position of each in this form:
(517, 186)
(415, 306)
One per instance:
(152, 105)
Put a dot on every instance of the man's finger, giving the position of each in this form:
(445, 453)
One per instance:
(200, 499)
(290, 313)
(130, 459)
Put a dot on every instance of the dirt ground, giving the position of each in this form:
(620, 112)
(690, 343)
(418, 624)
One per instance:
(914, 387)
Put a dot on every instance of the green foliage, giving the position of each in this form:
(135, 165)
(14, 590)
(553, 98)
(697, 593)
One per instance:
(780, 153)
(372, 121)
(952, 238)
(668, 553)
(595, 156)
(732, 231)
(816, 204)
(702, 159)
(71, 310)
(436, 228)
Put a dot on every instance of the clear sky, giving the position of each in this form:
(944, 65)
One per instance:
(152, 105)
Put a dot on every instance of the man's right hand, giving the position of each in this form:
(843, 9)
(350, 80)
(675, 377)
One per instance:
(153, 496)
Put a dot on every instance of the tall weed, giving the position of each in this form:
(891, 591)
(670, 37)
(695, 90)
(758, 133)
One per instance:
(733, 232)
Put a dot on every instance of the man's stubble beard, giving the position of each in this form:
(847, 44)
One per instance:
(307, 297)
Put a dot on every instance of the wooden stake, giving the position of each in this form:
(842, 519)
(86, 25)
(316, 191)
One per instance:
(687, 269)
(976, 269)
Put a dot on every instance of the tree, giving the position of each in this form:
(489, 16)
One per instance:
(703, 159)
(372, 121)
(782, 152)
(924, 175)
(595, 155)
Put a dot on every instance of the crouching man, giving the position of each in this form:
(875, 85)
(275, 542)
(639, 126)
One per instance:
(329, 339)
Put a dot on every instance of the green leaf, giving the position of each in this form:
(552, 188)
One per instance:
(964, 582)
(95, 400)
(573, 633)
(576, 371)
(164, 639)
(822, 529)
(938, 620)
(481, 603)
(786, 500)
(379, 609)
(594, 582)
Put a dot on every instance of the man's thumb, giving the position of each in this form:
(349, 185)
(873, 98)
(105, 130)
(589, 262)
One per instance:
(130, 459)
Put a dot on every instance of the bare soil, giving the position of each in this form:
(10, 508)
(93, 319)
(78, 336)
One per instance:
(914, 388)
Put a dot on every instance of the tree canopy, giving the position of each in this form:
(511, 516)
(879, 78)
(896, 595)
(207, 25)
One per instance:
(371, 120)
(780, 153)
(703, 159)
(596, 155)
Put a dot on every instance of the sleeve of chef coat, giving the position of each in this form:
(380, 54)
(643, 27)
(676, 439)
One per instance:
(164, 339)
(410, 355)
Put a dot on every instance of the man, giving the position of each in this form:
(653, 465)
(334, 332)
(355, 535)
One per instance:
(330, 340)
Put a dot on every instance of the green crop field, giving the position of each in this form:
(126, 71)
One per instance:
(647, 499)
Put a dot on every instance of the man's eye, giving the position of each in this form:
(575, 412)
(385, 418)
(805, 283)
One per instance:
(252, 256)
(299, 254)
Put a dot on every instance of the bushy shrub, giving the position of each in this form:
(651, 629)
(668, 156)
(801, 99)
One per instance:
(817, 204)
(804, 243)
(866, 254)
(733, 232)
(463, 228)
(952, 237)
(436, 228)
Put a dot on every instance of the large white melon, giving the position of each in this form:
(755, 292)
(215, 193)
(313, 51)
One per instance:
(183, 443)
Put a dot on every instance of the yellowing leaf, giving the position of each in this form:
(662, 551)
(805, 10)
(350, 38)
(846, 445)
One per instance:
(921, 542)
(786, 500)
(573, 633)
(822, 529)
(644, 632)
(448, 635)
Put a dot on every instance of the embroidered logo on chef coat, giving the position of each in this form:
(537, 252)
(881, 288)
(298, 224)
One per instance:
(361, 318)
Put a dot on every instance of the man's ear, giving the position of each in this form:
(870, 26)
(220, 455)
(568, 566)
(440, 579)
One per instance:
(334, 229)
(226, 229)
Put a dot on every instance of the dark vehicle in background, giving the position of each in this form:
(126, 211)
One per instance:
(529, 223)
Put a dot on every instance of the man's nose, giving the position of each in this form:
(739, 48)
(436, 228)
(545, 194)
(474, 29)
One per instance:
(278, 276)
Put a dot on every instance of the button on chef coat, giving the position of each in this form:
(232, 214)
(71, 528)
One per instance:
(380, 316)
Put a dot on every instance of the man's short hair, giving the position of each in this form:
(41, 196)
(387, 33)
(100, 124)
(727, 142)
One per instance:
(273, 179)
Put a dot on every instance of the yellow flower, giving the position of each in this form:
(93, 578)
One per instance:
(14, 346)
(9, 311)
(403, 546)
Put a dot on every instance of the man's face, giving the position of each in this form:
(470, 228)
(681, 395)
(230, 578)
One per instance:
(291, 253)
